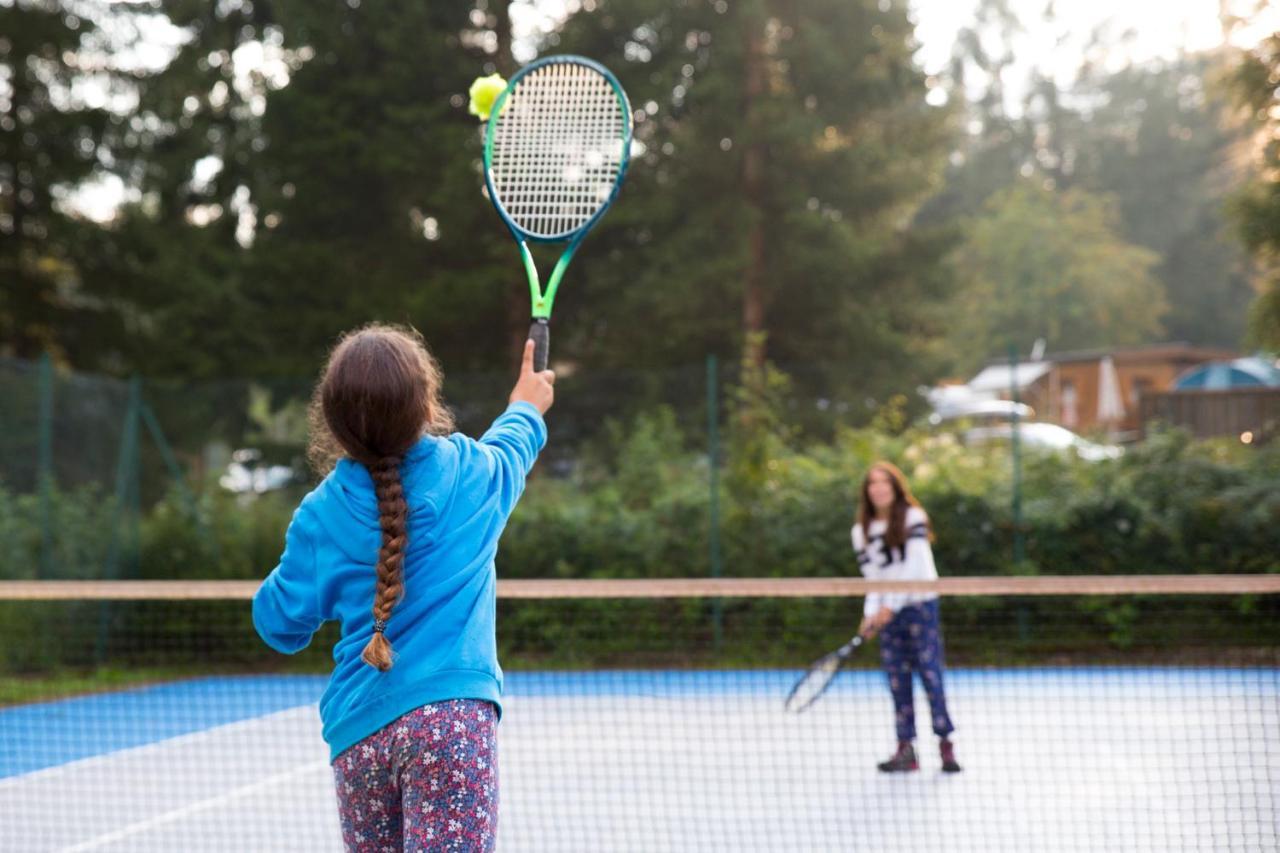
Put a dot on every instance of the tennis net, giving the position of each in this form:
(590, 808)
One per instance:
(1090, 713)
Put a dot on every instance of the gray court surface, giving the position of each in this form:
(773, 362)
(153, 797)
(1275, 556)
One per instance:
(1055, 760)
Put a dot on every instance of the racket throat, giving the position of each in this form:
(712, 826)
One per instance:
(541, 304)
(540, 300)
(553, 283)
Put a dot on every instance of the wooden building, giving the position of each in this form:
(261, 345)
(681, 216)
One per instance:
(1096, 390)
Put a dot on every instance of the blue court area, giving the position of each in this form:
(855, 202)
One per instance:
(73, 729)
(1055, 759)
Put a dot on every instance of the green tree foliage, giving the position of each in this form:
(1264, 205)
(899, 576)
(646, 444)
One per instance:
(1152, 136)
(1040, 263)
(296, 168)
(306, 168)
(178, 253)
(1257, 208)
(1157, 141)
(51, 135)
(639, 509)
(368, 189)
(786, 148)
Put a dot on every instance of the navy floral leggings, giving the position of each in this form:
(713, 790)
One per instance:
(912, 642)
(428, 781)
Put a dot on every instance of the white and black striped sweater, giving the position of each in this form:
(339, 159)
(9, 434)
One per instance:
(914, 562)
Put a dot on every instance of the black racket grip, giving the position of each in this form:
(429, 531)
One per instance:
(540, 334)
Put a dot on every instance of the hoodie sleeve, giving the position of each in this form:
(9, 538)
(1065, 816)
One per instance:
(511, 446)
(286, 608)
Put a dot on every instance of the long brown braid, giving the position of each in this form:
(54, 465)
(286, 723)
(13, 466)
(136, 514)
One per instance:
(393, 512)
(379, 394)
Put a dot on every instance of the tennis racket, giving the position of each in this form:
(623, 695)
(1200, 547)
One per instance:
(819, 676)
(555, 152)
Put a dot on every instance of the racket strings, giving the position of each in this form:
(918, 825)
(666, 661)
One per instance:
(814, 682)
(558, 149)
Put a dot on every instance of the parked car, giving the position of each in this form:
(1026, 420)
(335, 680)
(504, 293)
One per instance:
(1042, 436)
(980, 411)
(247, 473)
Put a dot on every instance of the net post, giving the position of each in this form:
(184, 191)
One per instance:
(127, 503)
(1015, 445)
(44, 477)
(713, 497)
(127, 486)
(152, 424)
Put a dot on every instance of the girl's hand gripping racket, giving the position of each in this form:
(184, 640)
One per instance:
(819, 676)
(555, 152)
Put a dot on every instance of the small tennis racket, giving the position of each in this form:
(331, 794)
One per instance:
(819, 676)
(555, 152)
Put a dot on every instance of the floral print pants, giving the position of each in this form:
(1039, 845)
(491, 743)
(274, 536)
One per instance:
(912, 642)
(428, 781)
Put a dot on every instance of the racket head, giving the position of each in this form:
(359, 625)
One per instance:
(557, 147)
(818, 677)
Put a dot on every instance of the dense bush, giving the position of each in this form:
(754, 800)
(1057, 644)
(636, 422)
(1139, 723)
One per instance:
(637, 505)
(1168, 506)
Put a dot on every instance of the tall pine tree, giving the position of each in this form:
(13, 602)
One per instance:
(368, 188)
(1257, 208)
(51, 140)
(177, 256)
(786, 147)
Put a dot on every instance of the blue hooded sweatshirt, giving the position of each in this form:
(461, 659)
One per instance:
(460, 492)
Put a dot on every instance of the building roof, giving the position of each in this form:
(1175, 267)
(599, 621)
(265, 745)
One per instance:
(996, 378)
(1175, 351)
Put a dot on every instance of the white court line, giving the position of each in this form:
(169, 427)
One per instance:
(102, 757)
(193, 808)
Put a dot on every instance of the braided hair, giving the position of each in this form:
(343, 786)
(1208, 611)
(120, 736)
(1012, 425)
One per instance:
(380, 392)
(392, 515)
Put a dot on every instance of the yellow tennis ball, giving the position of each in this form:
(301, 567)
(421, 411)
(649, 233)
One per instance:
(484, 91)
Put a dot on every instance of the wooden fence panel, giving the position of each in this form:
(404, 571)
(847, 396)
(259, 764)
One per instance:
(1208, 414)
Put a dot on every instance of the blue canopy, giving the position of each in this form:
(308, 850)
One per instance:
(1221, 375)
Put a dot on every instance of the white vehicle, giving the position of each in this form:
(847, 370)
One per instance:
(981, 411)
(1042, 436)
(247, 475)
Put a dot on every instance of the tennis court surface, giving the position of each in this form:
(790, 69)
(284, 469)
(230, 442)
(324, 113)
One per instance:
(1137, 749)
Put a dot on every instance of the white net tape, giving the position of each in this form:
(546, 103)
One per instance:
(557, 148)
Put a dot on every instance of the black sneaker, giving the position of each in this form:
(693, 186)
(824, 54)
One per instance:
(903, 761)
(949, 764)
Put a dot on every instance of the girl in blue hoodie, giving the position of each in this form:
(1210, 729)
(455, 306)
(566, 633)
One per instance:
(397, 544)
